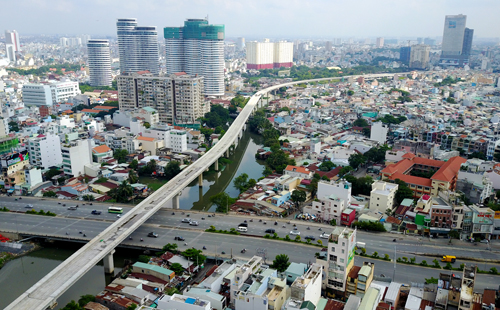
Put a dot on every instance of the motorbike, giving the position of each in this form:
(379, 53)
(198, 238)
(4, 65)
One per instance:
(243, 251)
(129, 238)
(244, 221)
(320, 228)
(223, 252)
(275, 223)
(142, 239)
(260, 220)
(393, 240)
(204, 247)
(173, 213)
(308, 228)
(265, 223)
(251, 220)
(284, 226)
(84, 235)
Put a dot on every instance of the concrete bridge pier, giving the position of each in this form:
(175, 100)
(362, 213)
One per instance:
(217, 165)
(109, 266)
(200, 180)
(175, 201)
(227, 153)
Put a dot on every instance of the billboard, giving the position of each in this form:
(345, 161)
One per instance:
(497, 214)
(13, 159)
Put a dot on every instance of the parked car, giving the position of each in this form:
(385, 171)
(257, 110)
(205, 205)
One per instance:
(179, 238)
(310, 238)
(324, 235)
(193, 223)
(270, 231)
(186, 220)
(295, 233)
(153, 235)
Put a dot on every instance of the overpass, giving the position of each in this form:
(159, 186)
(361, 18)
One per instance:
(45, 292)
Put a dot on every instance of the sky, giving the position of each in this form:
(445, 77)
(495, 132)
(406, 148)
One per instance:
(255, 18)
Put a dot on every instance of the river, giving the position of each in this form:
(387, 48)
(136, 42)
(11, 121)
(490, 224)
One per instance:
(30, 268)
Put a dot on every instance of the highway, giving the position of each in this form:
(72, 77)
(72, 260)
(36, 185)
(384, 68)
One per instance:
(218, 243)
(45, 293)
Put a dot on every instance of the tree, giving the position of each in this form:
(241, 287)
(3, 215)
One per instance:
(350, 92)
(13, 126)
(85, 299)
(356, 160)
(403, 191)
(222, 201)
(177, 268)
(151, 165)
(134, 164)
(132, 177)
(147, 125)
(72, 305)
(297, 197)
(281, 262)
(479, 155)
(51, 173)
(267, 171)
(171, 247)
(195, 256)
(122, 193)
(132, 307)
(88, 197)
(120, 155)
(49, 194)
(345, 170)
(241, 182)
(360, 122)
(172, 169)
(278, 160)
(144, 259)
(327, 165)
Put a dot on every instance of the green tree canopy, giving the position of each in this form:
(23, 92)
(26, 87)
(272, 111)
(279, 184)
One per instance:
(356, 160)
(297, 197)
(360, 122)
(281, 262)
(122, 193)
(403, 191)
(120, 155)
(222, 201)
(172, 169)
(177, 268)
(49, 194)
(195, 256)
(327, 166)
(134, 164)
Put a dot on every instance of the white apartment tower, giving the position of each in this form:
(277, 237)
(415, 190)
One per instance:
(49, 94)
(197, 49)
(45, 151)
(419, 56)
(178, 98)
(380, 42)
(341, 245)
(12, 37)
(457, 41)
(268, 55)
(99, 59)
(75, 155)
(137, 47)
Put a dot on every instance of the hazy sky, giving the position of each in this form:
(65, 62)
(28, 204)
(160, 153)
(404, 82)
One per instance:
(257, 18)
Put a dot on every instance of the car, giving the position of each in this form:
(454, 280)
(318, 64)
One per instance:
(295, 233)
(95, 212)
(193, 223)
(118, 215)
(29, 206)
(242, 229)
(153, 235)
(324, 235)
(484, 241)
(186, 220)
(270, 231)
(179, 238)
(243, 225)
(310, 238)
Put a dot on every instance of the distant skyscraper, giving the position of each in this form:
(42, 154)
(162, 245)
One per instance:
(12, 37)
(99, 62)
(137, 46)
(11, 52)
(420, 40)
(197, 48)
(404, 54)
(419, 56)
(268, 55)
(457, 41)
(380, 42)
(240, 43)
(429, 41)
(328, 46)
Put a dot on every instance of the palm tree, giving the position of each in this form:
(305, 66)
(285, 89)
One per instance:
(122, 193)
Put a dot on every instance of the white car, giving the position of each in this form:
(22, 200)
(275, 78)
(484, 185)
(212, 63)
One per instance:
(186, 220)
(193, 223)
(295, 233)
(324, 236)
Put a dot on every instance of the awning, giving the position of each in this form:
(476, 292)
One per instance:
(11, 190)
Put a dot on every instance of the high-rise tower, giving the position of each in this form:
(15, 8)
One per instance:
(197, 48)
(137, 46)
(457, 41)
(12, 37)
(99, 62)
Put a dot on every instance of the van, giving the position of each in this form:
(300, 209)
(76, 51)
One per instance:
(242, 229)
(72, 208)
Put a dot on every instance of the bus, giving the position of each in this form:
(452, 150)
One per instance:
(115, 210)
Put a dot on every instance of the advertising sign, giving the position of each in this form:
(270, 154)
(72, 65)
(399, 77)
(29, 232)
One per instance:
(15, 158)
(497, 214)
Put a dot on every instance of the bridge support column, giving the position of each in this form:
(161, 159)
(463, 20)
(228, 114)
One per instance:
(227, 153)
(175, 201)
(200, 180)
(109, 266)
(217, 165)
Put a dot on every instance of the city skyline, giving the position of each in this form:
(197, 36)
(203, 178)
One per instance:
(320, 19)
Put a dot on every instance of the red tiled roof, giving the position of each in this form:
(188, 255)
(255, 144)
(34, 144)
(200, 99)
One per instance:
(449, 170)
(334, 305)
(297, 169)
(148, 277)
(409, 179)
(408, 155)
(353, 274)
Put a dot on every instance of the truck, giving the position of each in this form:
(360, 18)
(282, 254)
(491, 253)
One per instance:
(449, 259)
(360, 245)
(95, 212)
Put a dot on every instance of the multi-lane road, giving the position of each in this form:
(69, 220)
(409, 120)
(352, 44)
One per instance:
(169, 225)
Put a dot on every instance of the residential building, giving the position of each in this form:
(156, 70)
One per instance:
(294, 271)
(177, 140)
(49, 94)
(99, 60)
(308, 286)
(75, 155)
(419, 56)
(300, 172)
(100, 152)
(341, 189)
(178, 98)
(352, 281)
(254, 293)
(365, 277)
(239, 276)
(457, 41)
(327, 208)
(340, 259)
(382, 196)
(197, 49)
(268, 55)
(154, 270)
(150, 144)
(177, 301)
(380, 43)
(137, 46)
(12, 37)
(378, 132)
(476, 186)
(467, 288)
(217, 301)
(404, 54)
(12, 166)
(240, 43)
(45, 151)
